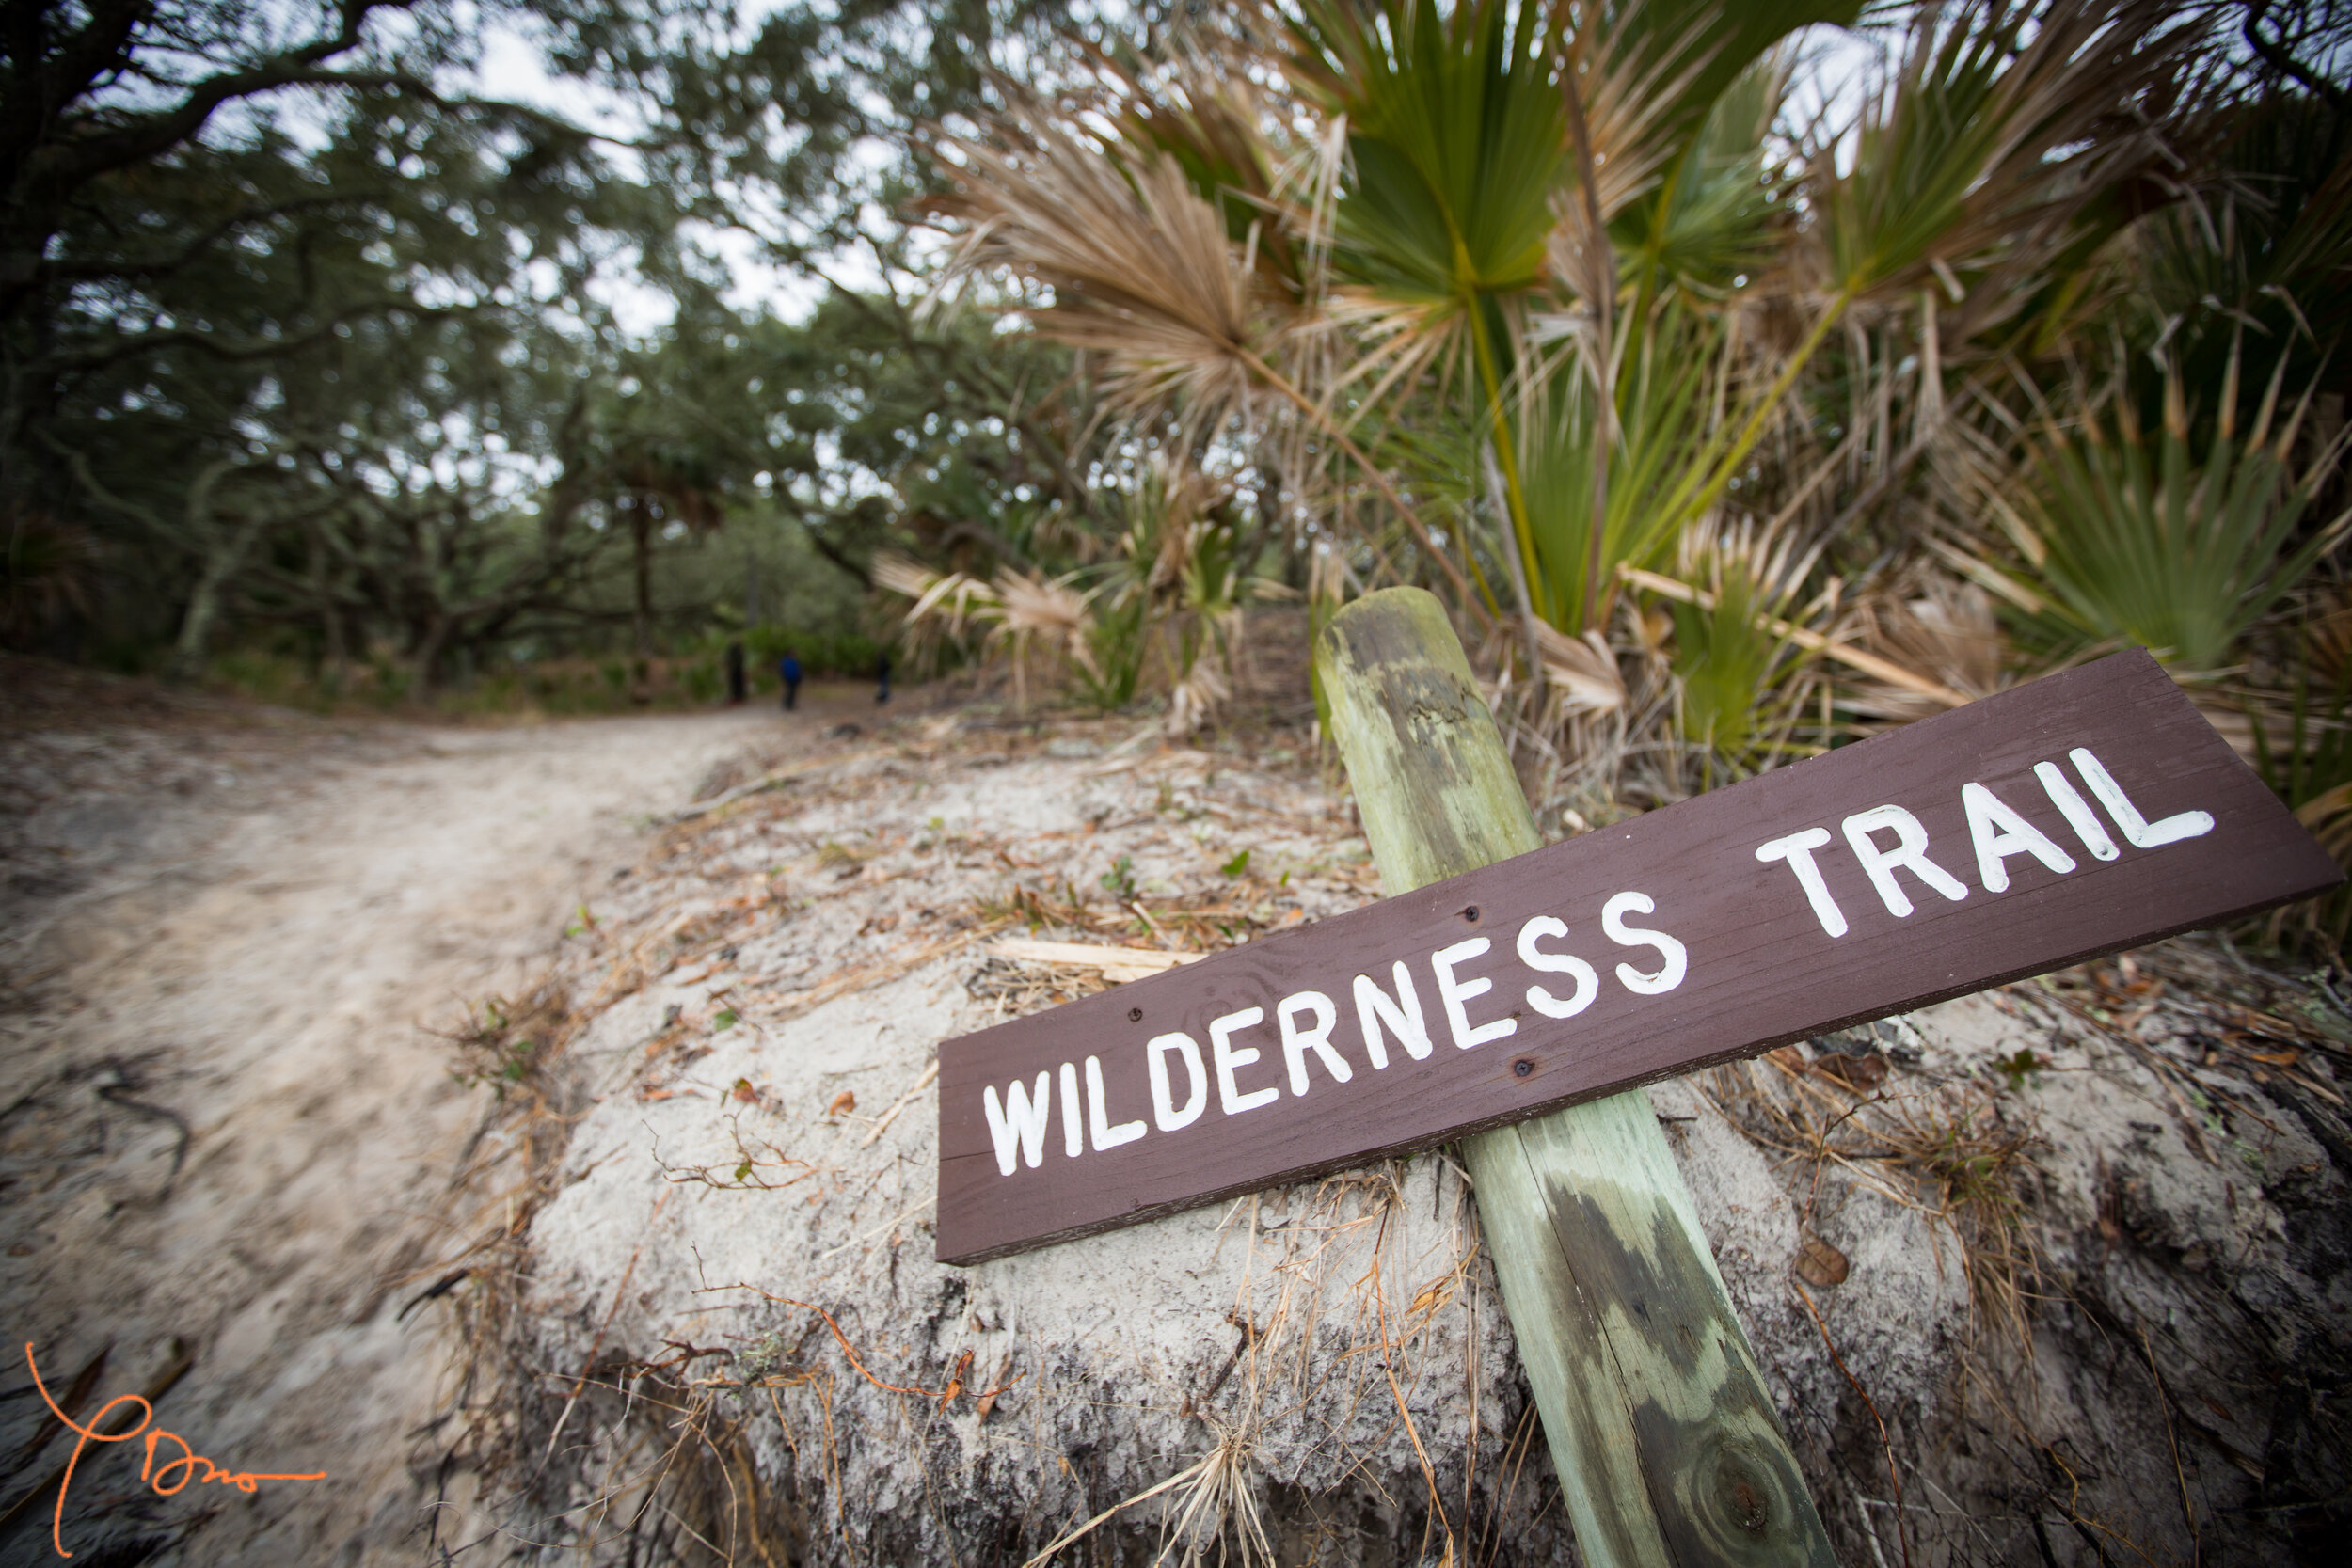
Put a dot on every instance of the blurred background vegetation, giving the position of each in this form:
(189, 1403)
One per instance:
(1745, 378)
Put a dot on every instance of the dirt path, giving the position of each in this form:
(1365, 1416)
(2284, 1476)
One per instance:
(223, 1121)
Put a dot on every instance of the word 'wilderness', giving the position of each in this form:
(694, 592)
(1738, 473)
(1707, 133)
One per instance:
(2085, 813)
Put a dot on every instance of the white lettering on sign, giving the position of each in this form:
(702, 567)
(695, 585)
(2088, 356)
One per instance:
(1458, 994)
(1909, 853)
(1072, 1132)
(1296, 1042)
(2143, 834)
(1677, 956)
(1797, 850)
(1018, 1116)
(2076, 811)
(1106, 1136)
(1546, 927)
(1998, 832)
(1022, 1123)
(1888, 845)
(1401, 1013)
(1230, 1061)
(1164, 1111)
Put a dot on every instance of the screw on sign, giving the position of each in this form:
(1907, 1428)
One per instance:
(2085, 813)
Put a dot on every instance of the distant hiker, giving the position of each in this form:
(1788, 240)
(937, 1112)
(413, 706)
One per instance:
(735, 674)
(882, 673)
(789, 667)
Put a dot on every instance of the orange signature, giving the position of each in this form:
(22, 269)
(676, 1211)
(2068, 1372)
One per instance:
(189, 1466)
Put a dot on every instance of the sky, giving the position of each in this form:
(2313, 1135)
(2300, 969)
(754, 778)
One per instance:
(1831, 76)
(512, 68)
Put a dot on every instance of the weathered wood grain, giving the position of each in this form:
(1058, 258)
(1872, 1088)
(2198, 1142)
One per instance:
(1666, 1446)
(1762, 968)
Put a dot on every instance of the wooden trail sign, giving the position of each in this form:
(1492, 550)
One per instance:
(2084, 812)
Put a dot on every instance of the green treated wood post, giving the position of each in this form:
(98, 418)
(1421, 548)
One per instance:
(1667, 1448)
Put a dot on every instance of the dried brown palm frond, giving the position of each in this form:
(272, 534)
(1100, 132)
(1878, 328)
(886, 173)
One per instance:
(1141, 269)
(1582, 670)
(1197, 697)
(949, 608)
(1928, 621)
(897, 574)
(1146, 278)
(2327, 634)
(1033, 609)
(1017, 611)
(1628, 92)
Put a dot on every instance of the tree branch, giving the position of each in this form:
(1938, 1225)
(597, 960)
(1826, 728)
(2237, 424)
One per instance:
(2274, 53)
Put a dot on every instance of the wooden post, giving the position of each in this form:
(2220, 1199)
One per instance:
(1668, 1452)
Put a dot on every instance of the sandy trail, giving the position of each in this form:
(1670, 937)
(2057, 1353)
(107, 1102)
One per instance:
(258, 963)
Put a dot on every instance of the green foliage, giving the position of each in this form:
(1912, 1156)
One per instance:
(1118, 642)
(1119, 880)
(2019, 1068)
(1659, 433)
(2254, 272)
(2142, 541)
(1458, 139)
(1235, 866)
(847, 654)
(1718, 217)
(1730, 672)
(2318, 755)
(2313, 774)
(342, 359)
(1738, 677)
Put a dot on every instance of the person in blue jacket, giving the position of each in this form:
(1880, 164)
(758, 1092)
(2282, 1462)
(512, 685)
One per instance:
(789, 667)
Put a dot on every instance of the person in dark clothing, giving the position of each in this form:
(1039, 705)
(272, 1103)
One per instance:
(882, 673)
(789, 667)
(735, 674)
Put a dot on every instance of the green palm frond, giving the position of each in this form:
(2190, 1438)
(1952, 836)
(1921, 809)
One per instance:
(1721, 213)
(1659, 431)
(1456, 140)
(1734, 657)
(2143, 541)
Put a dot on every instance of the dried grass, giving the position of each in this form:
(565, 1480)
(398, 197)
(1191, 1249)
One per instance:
(1951, 1152)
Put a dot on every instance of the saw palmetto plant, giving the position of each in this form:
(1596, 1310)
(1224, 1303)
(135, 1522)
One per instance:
(1515, 297)
(2139, 538)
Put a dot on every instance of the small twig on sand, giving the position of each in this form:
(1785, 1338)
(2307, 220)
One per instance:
(728, 796)
(881, 1123)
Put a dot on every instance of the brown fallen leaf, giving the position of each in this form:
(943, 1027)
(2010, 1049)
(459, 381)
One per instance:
(1819, 1265)
(1865, 1073)
(988, 1400)
(744, 1092)
(842, 1102)
(955, 1380)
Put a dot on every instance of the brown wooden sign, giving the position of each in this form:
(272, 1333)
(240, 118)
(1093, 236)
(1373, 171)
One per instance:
(2088, 811)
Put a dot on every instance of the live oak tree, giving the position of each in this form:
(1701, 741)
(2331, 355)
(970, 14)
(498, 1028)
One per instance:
(297, 327)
